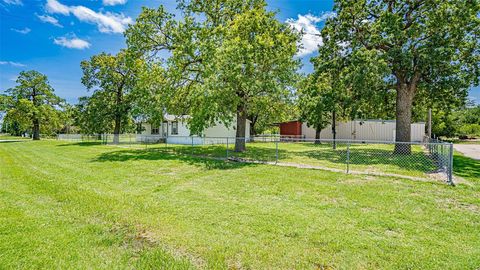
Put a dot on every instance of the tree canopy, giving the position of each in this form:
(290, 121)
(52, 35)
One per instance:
(427, 46)
(33, 104)
(224, 58)
(113, 79)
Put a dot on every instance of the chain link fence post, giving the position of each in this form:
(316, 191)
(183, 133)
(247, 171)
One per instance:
(227, 148)
(348, 157)
(450, 166)
(192, 145)
(276, 152)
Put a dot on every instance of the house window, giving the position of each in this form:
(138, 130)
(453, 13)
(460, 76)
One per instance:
(155, 130)
(174, 128)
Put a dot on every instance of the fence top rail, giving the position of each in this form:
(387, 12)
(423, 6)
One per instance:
(275, 139)
(361, 141)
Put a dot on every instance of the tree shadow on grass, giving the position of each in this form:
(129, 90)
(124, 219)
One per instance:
(252, 152)
(319, 154)
(466, 167)
(366, 155)
(160, 154)
(372, 157)
(210, 156)
(81, 144)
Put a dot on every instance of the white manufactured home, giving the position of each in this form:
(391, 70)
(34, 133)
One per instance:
(366, 130)
(174, 130)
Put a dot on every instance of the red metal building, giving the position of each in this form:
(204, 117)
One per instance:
(292, 128)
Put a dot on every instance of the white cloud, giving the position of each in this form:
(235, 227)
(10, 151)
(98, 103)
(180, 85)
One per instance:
(23, 31)
(107, 22)
(49, 19)
(311, 36)
(113, 2)
(53, 6)
(72, 43)
(13, 2)
(14, 64)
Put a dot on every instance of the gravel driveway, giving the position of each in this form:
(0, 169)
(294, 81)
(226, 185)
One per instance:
(469, 150)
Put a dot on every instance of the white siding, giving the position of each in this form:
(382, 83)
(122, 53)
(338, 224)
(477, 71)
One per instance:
(220, 130)
(182, 129)
(371, 130)
(147, 129)
(213, 135)
(184, 140)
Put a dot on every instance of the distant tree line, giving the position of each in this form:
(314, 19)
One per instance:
(463, 123)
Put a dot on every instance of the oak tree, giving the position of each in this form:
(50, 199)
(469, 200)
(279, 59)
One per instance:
(426, 44)
(112, 78)
(33, 104)
(220, 59)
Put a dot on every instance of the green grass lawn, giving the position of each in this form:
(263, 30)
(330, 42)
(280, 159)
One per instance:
(84, 205)
(9, 137)
(374, 158)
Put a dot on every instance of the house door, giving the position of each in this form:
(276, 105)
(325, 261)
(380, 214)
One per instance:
(165, 129)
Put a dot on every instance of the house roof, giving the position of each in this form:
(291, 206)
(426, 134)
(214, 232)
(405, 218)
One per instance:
(291, 121)
(171, 117)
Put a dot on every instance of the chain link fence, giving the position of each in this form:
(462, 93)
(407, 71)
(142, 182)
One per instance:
(431, 158)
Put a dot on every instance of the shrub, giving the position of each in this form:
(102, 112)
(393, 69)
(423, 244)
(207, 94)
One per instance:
(469, 130)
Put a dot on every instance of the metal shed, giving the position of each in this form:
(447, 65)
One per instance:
(368, 130)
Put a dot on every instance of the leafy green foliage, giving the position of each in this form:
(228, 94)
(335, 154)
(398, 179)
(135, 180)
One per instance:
(469, 130)
(224, 60)
(32, 105)
(470, 115)
(430, 48)
(349, 84)
(467, 122)
(5, 102)
(315, 106)
(113, 78)
(265, 111)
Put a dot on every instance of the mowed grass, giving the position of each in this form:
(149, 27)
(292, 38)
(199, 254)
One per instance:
(372, 158)
(84, 205)
(9, 137)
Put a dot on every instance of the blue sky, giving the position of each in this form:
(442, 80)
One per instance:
(54, 36)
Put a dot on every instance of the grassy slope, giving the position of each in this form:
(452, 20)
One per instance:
(84, 206)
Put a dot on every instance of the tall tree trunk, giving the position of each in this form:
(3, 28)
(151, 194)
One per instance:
(429, 123)
(36, 129)
(241, 127)
(116, 130)
(317, 135)
(118, 115)
(403, 118)
(334, 129)
(36, 121)
(253, 130)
